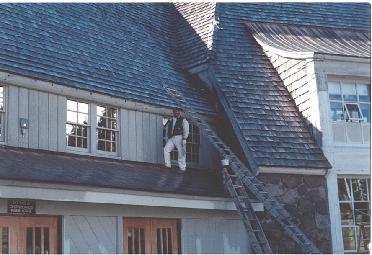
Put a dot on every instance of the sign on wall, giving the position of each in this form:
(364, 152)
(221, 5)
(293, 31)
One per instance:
(21, 206)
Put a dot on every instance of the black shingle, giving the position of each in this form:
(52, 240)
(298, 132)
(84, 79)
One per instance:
(43, 166)
(123, 50)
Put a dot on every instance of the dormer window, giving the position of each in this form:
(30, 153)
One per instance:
(2, 115)
(107, 129)
(77, 124)
(350, 104)
(350, 101)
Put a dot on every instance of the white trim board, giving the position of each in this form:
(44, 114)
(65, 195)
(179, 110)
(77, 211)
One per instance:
(71, 193)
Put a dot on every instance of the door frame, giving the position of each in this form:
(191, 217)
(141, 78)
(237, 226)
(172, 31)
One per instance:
(59, 237)
(149, 221)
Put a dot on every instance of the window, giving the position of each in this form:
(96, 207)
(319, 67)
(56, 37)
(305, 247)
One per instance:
(107, 129)
(2, 115)
(350, 104)
(350, 101)
(354, 197)
(192, 144)
(77, 124)
(145, 236)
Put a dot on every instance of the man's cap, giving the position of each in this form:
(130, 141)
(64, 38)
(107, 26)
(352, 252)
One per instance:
(177, 108)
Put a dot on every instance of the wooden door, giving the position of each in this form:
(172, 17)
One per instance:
(8, 235)
(31, 235)
(137, 236)
(164, 236)
(156, 236)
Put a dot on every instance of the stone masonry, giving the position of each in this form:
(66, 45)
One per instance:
(304, 196)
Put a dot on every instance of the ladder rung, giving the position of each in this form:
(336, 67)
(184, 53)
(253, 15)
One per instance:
(237, 186)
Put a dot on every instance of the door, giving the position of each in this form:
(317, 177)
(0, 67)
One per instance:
(164, 236)
(157, 236)
(8, 235)
(31, 235)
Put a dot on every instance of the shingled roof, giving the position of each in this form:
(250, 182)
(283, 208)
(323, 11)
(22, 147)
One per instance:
(334, 15)
(51, 167)
(127, 50)
(267, 117)
(300, 39)
(123, 50)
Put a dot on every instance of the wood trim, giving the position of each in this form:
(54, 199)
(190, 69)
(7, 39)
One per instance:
(74, 193)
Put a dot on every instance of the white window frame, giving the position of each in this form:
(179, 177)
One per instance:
(117, 131)
(347, 119)
(352, 201)
(348, 113)
(88, 126)
(3, 116)
(344, 102)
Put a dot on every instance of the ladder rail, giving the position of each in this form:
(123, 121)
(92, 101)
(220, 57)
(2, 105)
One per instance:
(276, 209)
(258, 240)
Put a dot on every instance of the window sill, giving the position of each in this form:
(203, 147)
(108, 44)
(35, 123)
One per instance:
(88, 153)
(77, 151)
(106, 155)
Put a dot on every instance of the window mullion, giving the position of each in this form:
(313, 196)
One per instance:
(93, 128)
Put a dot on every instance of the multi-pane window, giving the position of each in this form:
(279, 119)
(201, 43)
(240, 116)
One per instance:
(350, 101)
(350, 104)
(2, 114)
(107, 128)
(192, 145)
(354, 197)
(77, 124)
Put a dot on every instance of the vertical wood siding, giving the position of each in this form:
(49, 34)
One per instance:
(90, 234)
(141, 133)
(213, 236)
(41, 110)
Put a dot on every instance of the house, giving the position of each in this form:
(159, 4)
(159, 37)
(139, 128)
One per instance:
(82, 108)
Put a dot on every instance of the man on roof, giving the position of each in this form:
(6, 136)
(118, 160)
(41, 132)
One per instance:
(177, 131)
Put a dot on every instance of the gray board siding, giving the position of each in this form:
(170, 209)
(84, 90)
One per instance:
(214, 235)
(90, 234)
(261, 106)
(66, 168)
(140, 133)
(123, 50)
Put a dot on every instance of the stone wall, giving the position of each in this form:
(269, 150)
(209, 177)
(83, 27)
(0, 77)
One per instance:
(305, 198)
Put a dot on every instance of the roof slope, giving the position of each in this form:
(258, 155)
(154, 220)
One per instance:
(123, 50)
(306, 39)
(195, 26)
(336, 15)
(42, 166)
(261, 106)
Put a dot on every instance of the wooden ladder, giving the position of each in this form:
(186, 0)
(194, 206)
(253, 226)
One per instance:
(239, 179)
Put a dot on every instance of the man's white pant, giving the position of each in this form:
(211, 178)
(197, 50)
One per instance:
(175, 141)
